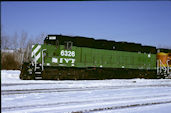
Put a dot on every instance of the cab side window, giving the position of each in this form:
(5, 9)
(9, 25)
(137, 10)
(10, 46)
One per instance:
(68, 45)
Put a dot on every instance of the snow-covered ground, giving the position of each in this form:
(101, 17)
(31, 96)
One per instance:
(101, 96)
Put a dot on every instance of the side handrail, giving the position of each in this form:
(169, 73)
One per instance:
(43, 59)
(35, 63)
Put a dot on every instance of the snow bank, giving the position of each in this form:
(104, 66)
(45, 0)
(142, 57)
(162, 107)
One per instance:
(8, 76)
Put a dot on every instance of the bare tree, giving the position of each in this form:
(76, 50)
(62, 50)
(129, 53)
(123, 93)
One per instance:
(22, 45)
(5, 41)
(40, 38)
(15, 40)
(23, 40)
(27, 53)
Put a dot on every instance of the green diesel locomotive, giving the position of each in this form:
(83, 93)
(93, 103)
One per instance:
(65, 57)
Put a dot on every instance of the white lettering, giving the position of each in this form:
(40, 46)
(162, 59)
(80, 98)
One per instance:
(67, 60)
(62, 53)
(68, 53)
(54, 60)
(61, 60)
(73, 53)
(73, 61)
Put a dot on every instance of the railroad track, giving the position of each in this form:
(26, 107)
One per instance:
(122, 107)
(50, 90)
(19, 84)
(97, 100)
(89, 104)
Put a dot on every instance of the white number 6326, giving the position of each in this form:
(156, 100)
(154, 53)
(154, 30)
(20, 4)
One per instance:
(68, 53)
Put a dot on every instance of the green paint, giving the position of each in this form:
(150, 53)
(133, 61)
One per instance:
(90, 57)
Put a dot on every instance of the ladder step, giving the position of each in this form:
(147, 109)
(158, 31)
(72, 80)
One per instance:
(38, 77)
(37, 67)
(38, 72)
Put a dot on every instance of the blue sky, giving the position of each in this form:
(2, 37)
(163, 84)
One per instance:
(148, 23)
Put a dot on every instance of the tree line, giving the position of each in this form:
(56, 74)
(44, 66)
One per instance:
(14, 49)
